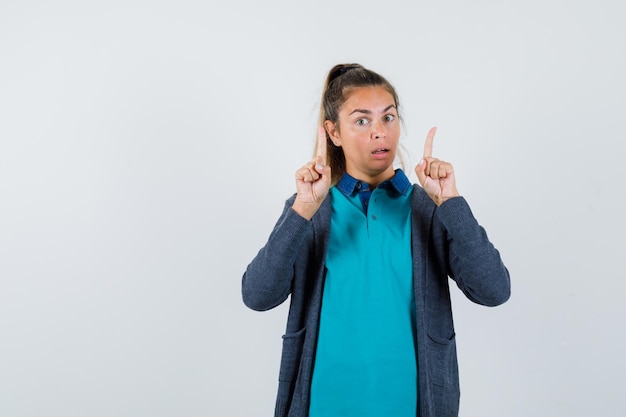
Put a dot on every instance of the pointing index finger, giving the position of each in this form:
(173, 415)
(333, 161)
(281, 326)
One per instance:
(321, 144)
(428, 144)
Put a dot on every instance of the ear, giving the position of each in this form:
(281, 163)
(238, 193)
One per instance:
(333, 132)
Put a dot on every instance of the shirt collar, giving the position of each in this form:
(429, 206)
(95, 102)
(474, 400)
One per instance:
(348, 184)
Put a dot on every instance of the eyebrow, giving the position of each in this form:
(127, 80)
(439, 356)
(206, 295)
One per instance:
(369, 111)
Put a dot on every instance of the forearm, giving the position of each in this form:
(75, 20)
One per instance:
(475, 263)
(267, 280)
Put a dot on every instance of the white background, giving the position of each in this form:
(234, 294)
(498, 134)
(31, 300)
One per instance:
(147, 148)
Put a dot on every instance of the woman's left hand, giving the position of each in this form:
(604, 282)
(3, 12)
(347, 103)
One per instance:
(436, 177)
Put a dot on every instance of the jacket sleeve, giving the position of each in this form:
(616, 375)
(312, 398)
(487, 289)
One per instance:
(267, 280)
(474, 262)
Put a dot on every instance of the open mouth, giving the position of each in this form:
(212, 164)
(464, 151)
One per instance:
(380, 151)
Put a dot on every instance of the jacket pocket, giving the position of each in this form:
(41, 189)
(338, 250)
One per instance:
(442, 360)
(291, 355)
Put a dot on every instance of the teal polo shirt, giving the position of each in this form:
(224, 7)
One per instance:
(365, 363)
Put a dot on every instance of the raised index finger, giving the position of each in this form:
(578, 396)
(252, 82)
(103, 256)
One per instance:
(428, 144)
(321, 144)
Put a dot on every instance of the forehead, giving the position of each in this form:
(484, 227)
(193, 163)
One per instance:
(368, 98)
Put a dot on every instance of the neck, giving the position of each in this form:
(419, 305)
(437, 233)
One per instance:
(373, 180)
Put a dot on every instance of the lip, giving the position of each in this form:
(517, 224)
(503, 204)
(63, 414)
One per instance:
(380, 153)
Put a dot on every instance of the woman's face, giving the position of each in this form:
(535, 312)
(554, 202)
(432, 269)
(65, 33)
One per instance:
(368, 131)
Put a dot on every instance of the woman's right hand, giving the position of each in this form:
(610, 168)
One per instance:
(313, 181)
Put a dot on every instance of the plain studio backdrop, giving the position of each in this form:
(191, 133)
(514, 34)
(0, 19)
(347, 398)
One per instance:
(147, 148)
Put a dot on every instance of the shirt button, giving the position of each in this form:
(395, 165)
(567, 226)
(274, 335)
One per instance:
(373, 217)
(358, 185)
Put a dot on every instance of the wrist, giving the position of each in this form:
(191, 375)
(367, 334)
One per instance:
(439, 200)
(444, 199)
(304, 209)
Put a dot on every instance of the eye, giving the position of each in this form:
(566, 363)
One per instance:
(362, 122)
(389, 118)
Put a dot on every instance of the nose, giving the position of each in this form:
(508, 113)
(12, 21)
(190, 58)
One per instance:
(378, 130)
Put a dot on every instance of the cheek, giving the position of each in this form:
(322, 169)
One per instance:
(394, 136)
(395, 130)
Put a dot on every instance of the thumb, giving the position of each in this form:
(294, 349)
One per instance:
(420, 170)
(319, 165)
(321, 168)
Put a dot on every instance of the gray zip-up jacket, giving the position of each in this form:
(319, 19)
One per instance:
(446, 241)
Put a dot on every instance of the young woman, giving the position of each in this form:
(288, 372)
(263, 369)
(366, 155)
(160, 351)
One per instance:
(366, 258)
